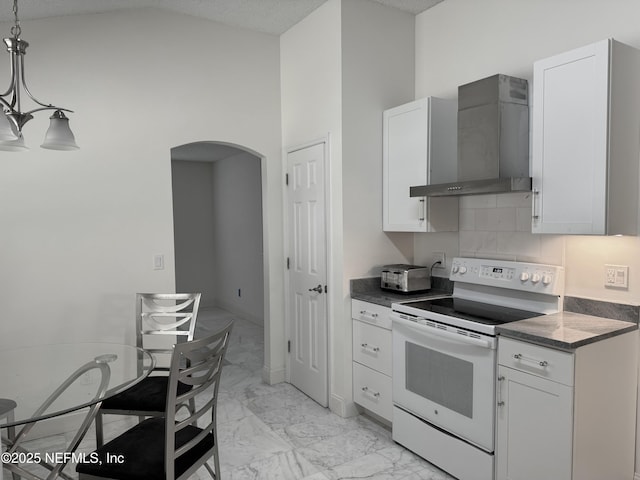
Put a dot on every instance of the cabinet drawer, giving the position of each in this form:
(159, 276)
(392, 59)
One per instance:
(372, 390)
(541, 361)
(372, 346)
(371, 313)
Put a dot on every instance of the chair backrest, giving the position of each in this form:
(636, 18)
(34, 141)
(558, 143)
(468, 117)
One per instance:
(204, 358)
(163, 319)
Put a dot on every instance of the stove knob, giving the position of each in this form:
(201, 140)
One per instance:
(454, 269)
(524, 276)
(463, 270)
(546, 279)
(535, 278)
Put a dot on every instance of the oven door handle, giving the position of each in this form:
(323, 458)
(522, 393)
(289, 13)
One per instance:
(424, 330)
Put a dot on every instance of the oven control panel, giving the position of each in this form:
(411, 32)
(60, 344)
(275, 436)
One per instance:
(531, 277)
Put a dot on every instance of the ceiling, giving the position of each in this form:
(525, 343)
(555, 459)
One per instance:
(268, 16)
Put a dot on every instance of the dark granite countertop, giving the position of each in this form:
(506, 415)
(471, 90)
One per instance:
(368, 290)
(565, 330)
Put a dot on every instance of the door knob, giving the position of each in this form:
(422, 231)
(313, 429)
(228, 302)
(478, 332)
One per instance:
(318, 289)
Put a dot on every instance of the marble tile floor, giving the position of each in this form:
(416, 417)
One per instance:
(275, 432)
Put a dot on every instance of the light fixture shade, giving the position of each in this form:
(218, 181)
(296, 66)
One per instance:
(15, 145)
(59, 136)
(7, 133)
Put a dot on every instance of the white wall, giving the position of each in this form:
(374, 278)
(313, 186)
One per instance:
(377, 74)
(341, 67)
(459, 41)
(80, 229)
(237, 235)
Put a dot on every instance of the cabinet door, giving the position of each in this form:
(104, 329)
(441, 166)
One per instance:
(570, 141)
(405, 164)
(534, 428)
(420, 147)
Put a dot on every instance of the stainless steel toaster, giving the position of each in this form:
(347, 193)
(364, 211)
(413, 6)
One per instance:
(405, 278)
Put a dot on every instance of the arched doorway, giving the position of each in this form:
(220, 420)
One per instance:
(218, 227)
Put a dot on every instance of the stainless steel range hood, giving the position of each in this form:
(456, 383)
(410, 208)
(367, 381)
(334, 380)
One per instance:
(493, 140)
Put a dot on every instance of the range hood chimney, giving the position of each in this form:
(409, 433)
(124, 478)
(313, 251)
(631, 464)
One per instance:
(493, 139)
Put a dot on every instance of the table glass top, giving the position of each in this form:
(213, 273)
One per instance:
(87, 372)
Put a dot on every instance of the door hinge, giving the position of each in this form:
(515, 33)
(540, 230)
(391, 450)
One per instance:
(288, 346)
(286, 179)
(325, 289)
(288, 263)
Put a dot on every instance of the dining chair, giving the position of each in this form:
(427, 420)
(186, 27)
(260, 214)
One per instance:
(162, 319)
(7, 406)
(171, 447)
(15, 445)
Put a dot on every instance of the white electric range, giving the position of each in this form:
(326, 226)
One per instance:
(444, 370)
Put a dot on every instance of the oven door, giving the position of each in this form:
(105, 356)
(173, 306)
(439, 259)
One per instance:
(445, 378)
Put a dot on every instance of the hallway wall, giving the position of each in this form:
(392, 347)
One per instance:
(193, 229)
(237, 236)
(217, 209)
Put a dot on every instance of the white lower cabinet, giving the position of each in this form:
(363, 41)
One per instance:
(534, 427)
(566, 415)
(372, 358)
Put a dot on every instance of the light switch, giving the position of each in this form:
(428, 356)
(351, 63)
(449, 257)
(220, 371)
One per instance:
(158, 262)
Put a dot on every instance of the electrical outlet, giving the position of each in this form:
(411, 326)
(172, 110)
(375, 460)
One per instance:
(616, 276)
(438, 257)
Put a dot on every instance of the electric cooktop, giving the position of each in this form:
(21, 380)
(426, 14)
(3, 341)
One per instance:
(478, 312)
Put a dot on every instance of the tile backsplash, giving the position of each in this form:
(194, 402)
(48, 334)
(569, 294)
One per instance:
(499, 226)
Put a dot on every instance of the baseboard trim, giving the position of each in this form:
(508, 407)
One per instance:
(271, 377)
(239, 311)
(339, 406)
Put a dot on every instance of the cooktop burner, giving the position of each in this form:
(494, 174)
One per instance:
(477, 312)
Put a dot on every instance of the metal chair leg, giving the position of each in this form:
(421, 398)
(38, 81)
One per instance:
(99, 430)
(11, 435)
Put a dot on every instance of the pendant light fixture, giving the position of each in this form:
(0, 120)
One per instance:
(59, 135)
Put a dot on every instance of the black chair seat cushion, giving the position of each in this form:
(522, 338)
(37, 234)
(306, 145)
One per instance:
(142, 450)
(149, 395)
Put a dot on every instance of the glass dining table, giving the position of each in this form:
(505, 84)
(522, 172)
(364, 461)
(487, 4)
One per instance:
(43, 382)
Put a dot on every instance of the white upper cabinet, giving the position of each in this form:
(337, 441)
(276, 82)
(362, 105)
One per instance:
(419, 148)
(586, 126)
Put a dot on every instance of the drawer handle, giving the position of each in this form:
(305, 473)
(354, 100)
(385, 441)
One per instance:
(366, 346)
(370, 392)
(522, 358)
(372, 316)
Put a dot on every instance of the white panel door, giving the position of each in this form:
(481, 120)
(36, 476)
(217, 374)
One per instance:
(307, 271)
